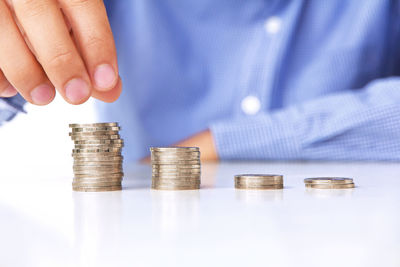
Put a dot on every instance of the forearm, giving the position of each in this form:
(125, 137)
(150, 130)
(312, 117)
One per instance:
(358, 125)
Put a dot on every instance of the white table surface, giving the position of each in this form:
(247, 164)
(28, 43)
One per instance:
(44, 223)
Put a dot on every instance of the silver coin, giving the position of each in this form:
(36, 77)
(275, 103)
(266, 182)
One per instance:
(97, 168)
(328, 180)
(91, 125)
(177, 171)
(96, 179)
(99, 133)
(97, 146)
(96, 183)
(98, 158)
(94, 154)
(96, 150)
(176, 153)
(105, 176)
(176, 176)
(330, 186)
(157, 187)
(175, 162)
(157, 166)
(174, 149)
(97, 189)
(97, 171)
(175, 183)
(99, 142)
(173, 159)
(96, 137)
(260, 187)
(97, 163)
(95, 129)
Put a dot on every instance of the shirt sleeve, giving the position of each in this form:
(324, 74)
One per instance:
(10, 107)
(362, 124)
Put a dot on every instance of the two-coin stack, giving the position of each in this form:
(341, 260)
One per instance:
(329, 183)
(175, 168)
(97, 157)
(258, 181)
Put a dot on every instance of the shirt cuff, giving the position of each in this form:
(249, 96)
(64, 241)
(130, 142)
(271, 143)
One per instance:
(10, 107)
(258, 137)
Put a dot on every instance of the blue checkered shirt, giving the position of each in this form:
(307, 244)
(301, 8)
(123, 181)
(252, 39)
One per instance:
(313, 80)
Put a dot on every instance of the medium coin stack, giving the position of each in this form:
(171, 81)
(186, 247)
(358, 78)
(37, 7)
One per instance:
(329, 183)
(175, 168)
(97, 157)
(258, 181)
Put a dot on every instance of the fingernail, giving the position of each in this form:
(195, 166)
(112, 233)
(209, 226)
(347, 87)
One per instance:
(77, 90)
(9, 91)
(42, 95)
(105, 77)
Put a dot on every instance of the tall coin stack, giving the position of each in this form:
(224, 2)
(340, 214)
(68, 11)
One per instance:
(97, 157)
(258, 181)
(175, 168)
(329, 183)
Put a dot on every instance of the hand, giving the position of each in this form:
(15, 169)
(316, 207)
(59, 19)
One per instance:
(63, 44)
(204, 140)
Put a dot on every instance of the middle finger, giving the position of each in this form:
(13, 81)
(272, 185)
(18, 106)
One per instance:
(44, 25)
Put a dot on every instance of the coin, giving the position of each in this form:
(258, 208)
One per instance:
(95, 150)
(95, 137)
(328, 180)
(330, 186)
(95, 129)
(97, 189)
(258, 181)
(91, 125)
(96, 154)
(99, 142)
(177, 171)
(175, 166)
(97, 179)
(174, 149)
(157, 187)
(98, 133)
(176, 162)
(97, 146)
(97, 159)
(96, 168)
(105, 176)
(95, 183)
(260, 187)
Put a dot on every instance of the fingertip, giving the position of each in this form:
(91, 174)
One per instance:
(77, 91)
(105, 77)
(10, 91)
(109, 96)
(43, 95)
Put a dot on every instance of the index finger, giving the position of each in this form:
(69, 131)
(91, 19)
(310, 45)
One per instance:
(92, 32)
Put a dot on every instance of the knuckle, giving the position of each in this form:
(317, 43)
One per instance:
(80, 3)
(94, 42)
(60, 58)
(31, 8)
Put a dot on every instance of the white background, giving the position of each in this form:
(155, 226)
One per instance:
(42, 135)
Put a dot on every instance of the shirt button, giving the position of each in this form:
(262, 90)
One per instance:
(251, 105)
(273, 25)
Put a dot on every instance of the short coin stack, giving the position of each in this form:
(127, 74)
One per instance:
(329, 183)
(175, 168)
(258, 181)
(97, 157)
